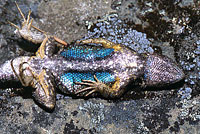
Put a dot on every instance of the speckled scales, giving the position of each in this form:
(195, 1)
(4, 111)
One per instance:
(69, 78)
(86, 52)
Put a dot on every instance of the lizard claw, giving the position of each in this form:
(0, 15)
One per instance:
(92, 85)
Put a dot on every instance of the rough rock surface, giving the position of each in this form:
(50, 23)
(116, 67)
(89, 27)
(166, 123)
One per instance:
(172, 26)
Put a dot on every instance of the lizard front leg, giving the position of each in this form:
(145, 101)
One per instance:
(103, 89)
(105, 43)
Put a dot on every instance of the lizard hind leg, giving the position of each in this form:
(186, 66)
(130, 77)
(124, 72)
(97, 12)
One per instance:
(36, 36)
(42, 82)
(23, 72)
(45, 93)
(25, 29)
(44, 85)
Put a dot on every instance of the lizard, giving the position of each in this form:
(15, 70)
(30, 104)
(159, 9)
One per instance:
(81, 68)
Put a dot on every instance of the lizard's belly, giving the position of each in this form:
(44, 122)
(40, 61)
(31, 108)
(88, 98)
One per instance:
(89, 58)
(86, 52)
(84, 62)
(68, 80)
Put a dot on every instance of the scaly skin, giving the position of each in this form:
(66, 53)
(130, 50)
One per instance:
(82, 69)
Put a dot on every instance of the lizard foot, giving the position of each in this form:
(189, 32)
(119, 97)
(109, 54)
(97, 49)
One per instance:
(25, 29)
(94, 86)
(30, 35)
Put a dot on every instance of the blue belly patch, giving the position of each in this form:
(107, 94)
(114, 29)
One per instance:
(86, 52)
(68, 79)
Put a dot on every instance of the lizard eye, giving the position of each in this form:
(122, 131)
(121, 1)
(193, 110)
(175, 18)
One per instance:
(160, 70)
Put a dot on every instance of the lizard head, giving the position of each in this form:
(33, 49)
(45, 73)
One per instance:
(160, 70)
